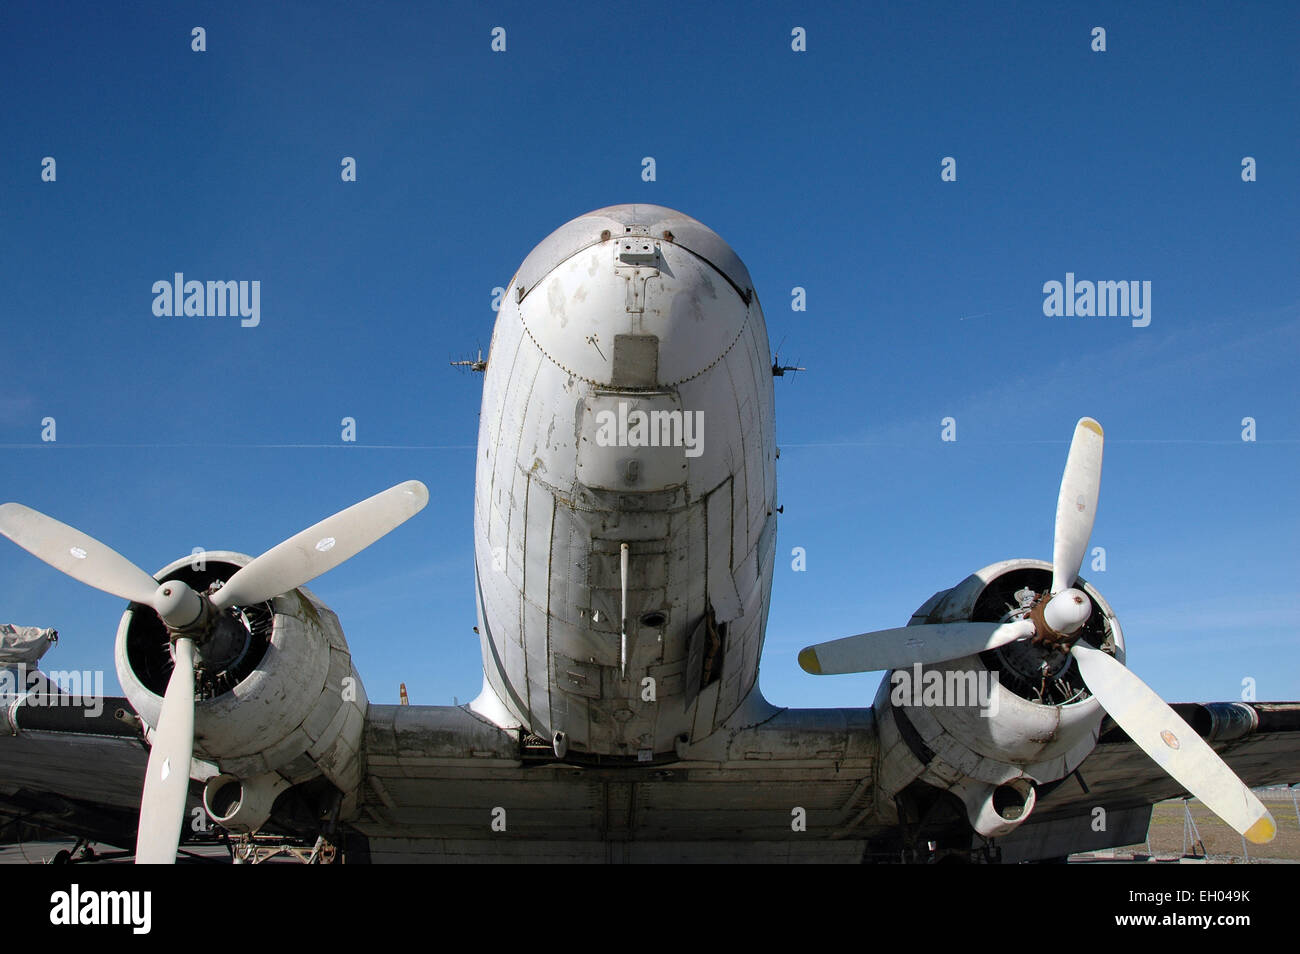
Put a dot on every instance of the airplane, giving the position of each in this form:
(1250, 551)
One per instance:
(625, 523)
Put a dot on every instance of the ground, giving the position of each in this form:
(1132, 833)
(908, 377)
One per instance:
(1166, 839)
(1221, 843)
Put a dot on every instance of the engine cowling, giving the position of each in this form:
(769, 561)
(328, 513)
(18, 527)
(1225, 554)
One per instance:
(279, 702)
(992, 727)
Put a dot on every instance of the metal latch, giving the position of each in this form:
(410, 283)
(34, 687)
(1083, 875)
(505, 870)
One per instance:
(639, 250)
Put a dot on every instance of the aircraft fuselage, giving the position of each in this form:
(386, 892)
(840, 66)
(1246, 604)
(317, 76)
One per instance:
(627, 416)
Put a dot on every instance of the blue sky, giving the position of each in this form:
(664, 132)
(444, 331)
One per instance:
(821, 168)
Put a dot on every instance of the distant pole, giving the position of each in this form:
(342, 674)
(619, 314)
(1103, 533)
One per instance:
(1190, 831)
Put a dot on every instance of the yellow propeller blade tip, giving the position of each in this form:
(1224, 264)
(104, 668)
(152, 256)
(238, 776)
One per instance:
(808, 661)
(1092, 425)
(1263, 831)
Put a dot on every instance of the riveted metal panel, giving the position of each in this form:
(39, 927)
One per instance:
(537, 545)
(669, 677)
(645, 570)
(705, 707)
(722, 587)
(568, 568)
(616, 429)
(694, 661)
(579, 678)
(636, 361)
(518, 529)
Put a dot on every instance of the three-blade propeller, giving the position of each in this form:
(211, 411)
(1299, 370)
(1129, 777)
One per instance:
(1135, 707)
(188, 615)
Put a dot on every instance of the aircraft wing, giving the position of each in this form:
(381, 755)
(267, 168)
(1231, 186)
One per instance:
(443, 784)
(431, 796)
(71, 771)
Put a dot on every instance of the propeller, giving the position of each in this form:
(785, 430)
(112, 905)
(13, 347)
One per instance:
(1076, 507)
(1054, 621)
(900, 648)
(167, 778)
(1173, 744)
(189, 617)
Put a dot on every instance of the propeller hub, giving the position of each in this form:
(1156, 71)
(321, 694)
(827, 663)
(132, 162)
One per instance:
(1058, 619)
(178, 605)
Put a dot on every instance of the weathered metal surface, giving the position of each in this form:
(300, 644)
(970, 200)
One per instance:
(436, 778)
(972, 748)
(299, 713)
(439, 772)
(627, 385)
(650, 221)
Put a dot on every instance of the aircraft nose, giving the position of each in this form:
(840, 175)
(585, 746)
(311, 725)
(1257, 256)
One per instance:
(633, 296)
(634, 311)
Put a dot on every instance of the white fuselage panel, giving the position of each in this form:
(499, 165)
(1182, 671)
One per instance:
(627, 400)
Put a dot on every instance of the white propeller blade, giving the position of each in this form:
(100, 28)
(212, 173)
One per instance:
(1076, 508)
(900, 648)
(167, 780)
(1173, 744)
(79, 556)
(323, 546)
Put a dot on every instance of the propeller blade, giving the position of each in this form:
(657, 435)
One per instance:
(1173, 744)
(167, 780)
(79, 556)
(1076, 507)
(323, 546)
(900, 648)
